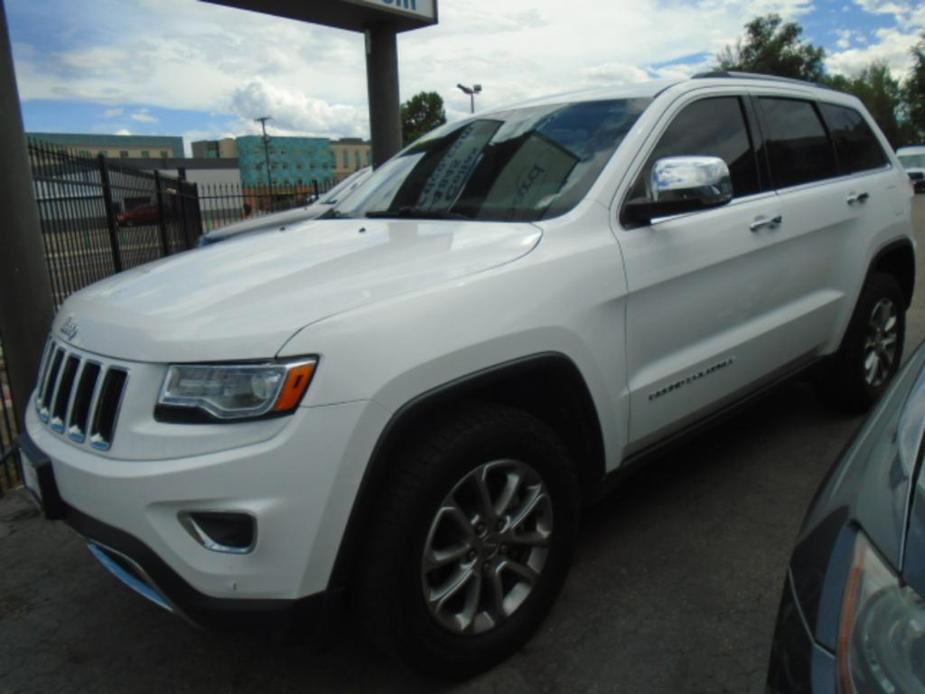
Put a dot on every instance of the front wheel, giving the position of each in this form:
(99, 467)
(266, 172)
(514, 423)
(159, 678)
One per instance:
(856, 376)
(472, 543)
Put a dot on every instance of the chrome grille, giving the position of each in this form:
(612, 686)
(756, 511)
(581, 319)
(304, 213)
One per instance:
(79, 397)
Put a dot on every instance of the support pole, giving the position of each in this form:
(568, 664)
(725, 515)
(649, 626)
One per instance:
(25, 290)
(382, 86)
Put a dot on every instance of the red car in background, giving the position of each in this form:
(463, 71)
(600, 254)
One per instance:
(143, 214)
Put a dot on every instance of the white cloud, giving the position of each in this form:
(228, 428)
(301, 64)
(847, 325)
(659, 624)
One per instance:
(615, 73)
(192, 55)
(123, 131)
(294, 111)
(143, 116)
(844, 38)
(891, 46)
(113, 112)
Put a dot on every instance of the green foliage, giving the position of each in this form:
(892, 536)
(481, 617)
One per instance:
(420, 114)
(772, 47)
(914, 92)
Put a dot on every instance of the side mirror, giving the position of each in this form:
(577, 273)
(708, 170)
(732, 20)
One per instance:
(682, 184)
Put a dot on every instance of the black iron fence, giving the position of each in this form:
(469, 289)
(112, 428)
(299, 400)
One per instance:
(98, 217)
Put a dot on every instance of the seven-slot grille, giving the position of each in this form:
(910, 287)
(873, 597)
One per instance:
(79, 397)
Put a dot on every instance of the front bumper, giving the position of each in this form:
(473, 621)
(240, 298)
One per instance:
(798, 663)
(299, 485)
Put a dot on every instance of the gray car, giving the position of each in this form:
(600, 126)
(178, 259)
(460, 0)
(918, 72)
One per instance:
(280, 221)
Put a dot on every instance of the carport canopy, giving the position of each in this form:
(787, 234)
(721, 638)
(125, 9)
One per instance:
(381, 21)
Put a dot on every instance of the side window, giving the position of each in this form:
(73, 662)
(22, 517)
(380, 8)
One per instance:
(712, 127)
(857, 146)
(798, 145)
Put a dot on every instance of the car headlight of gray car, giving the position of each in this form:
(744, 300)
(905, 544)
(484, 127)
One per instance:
(881, 639)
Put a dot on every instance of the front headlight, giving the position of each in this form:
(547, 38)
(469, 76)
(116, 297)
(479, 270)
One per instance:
(200, 392)
(881, 639)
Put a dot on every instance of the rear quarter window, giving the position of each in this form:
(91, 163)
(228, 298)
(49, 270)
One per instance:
(857, 147)
(798, 146)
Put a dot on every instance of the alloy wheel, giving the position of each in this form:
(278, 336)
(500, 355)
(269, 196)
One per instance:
(880, 343)
(486, 546)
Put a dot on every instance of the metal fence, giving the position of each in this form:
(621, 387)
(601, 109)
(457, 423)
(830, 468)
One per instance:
(98, 217)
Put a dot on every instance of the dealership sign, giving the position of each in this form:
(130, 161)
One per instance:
(354, 15)
(422, 9)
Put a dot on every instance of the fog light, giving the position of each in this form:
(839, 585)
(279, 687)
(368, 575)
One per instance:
(220, 531)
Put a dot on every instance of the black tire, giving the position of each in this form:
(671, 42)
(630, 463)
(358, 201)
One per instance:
(390, 578)
(843, 380)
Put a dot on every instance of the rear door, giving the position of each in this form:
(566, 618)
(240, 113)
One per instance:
(873, 196)
(828, 211)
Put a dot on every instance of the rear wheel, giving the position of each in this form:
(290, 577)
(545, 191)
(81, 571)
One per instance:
(473, 542)
(870, 353)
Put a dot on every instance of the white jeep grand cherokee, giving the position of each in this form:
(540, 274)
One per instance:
(406, 403)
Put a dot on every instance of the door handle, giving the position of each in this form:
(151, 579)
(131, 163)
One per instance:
(766, 223)
(857, 198)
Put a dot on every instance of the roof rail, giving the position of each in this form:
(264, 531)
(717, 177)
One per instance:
(733, 74)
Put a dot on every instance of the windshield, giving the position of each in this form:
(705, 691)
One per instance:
(912, 161)
(525, 164)
(345, 187)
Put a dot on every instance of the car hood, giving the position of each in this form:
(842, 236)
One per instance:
(278, 221)
(243, 300)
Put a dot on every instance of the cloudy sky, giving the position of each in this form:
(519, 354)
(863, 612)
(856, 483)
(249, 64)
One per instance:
(181, 67)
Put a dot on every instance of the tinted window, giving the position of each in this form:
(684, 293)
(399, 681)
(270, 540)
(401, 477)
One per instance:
(524, 164)
(711, 127)
(856, 144)
(798, 146)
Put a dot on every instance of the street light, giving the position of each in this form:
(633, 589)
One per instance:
(471, 91)
(266, 148)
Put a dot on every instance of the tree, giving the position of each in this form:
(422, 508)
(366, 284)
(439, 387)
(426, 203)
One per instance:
(772, 47)
(914, 92)
(420, 114)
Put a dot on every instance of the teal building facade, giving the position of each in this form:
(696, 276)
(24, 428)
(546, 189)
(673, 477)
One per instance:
(294, 161)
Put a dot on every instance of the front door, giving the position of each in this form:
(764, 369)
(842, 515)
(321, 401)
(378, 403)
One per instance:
(701, 323)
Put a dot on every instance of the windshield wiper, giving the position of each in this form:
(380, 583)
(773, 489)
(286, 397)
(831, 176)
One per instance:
(416, 213)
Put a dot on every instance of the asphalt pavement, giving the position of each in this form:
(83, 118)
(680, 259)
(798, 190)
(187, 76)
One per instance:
(674, 589)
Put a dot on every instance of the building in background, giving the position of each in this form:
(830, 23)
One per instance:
(115, 146)
(226, 148)
(350, 154)
(295, 162)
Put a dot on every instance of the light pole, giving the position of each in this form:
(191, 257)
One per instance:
(471, 91)
(266, 149)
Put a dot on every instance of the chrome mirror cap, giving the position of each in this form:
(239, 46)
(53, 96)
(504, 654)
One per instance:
(705, 180)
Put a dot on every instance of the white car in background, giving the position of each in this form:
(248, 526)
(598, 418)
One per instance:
(281, 221)
(913, 161)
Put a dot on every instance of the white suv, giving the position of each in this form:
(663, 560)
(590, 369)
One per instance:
(407, 403)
